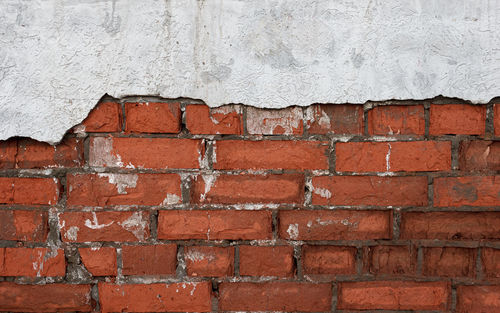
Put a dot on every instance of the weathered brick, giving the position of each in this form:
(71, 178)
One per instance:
(224, 120)
(100, 261)
(153, 117)
(450, 225)
(478, 299)
(271, 154)
(23, 225)
(449, 262)
(246, 188)
(410, 156)
(369, 190)
(479, 155)
(214, 224)
(390, 260)
(156, 153)
(273, 296)
(333, 260)
(177, 297)
(32, 262)
(209, 261)
(105, 117)
(394, 295)
(29, 191)
(470, 190)
(490, 259)
(104, 226)
(267, 261)
(396, 120)
(287, 121)
(34, 154)
(460, 119)
(8, 151)
(44, 298)
(107, 189)
(334, 225)
(496, 118)
(337, 119)
(149, 260)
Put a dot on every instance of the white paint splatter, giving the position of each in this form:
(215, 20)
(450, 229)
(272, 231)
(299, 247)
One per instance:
(388, 158)
(322, 192)
(293, 231)
(136, 225)
(121, 181)
(95, 224)
(72, 233)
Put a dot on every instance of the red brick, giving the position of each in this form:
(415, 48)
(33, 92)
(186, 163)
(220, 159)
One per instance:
(106, 189)
(100, 261)
(34, 154)
(329, 260)
(153, 117)
(104, 226)
(478, 299)
(8, 151)
(396, 120)
(177, 297)
(44, 298)
(149, 260)
(23, 225)
(273, 296)
(369, 190)
(271, 154)
(214, 224)
(267, 261)
(479, 155)
(209, 261)
(449, 262)
(28, 191)
(225, 120)
(460, 119)
(394, 295)
(334, 225)
(390, 260)
(450, 225)
(287, 121)
(105, 117)
(156, 153)
(496, 118)
(335, 119)
(410, 156)
(491, 262)
(470, 190)
(246, 188)
(34, 262)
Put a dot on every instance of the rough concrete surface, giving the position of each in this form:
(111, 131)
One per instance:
(58, 58)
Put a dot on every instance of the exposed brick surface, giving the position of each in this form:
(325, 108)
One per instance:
(396, 120)
(460, 119)
(171, 206)
(153, 117)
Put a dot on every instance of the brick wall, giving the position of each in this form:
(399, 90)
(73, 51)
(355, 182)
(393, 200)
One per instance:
(154, 206)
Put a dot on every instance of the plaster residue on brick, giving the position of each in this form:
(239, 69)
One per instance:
(121, 181)
(136, 224)
(94, 224)
(59, 58)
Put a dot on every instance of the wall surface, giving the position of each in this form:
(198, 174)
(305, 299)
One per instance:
(170, 206)
(58, 58)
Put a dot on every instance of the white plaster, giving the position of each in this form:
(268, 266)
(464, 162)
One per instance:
(135, 224)
(171, 199)
(322, 192)
(293, 231)
(209, 181)
(57, 58)
(121, 181)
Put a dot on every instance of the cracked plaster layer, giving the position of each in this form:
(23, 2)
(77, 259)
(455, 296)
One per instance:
(58, 58)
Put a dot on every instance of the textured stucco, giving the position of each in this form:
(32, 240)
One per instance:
(58, 58)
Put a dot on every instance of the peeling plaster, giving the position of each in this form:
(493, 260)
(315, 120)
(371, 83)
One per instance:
(58, 58)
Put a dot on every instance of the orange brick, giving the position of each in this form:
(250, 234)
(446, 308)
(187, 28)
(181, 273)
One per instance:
(267, 261)
(390, 260)
(491, 262)
(479, 155)
(449, 262)
(460, 119)
(334, 225)
(29, 191)
(105, 117)
(100, 261)
(224, 120)
(23, 225)
(271, 154)
(214, 224)
(209, 261)
(478, 299)
(8, 151)
(34, 262)
(153, 117)
(329, 260)
(149, 260)
(396, 120)
(34, 154)
(496, 118)
(470, 190)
